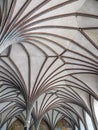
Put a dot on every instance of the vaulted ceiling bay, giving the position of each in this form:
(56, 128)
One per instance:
(48, 65)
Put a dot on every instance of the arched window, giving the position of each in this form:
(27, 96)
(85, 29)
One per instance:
(81, 126)
(96, 108)
(89, 122)
(76, 128)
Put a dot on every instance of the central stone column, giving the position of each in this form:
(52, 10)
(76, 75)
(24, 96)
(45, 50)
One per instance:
(27, 125)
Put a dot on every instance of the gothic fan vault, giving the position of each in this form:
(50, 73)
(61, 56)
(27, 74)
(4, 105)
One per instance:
(49, 63)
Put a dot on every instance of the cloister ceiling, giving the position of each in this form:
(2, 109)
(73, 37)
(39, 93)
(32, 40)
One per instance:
(48, 60)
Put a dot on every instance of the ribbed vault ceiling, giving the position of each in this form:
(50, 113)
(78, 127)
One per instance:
(48, 61)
